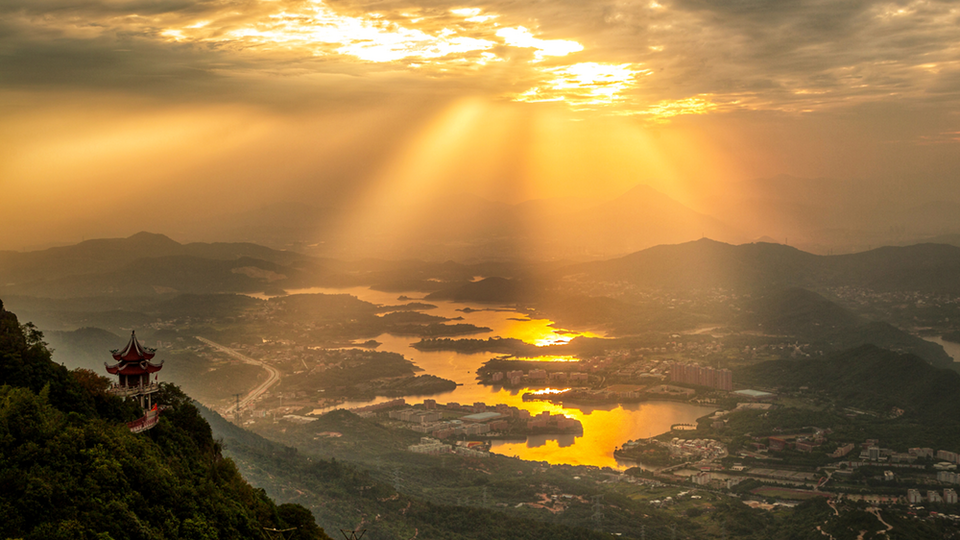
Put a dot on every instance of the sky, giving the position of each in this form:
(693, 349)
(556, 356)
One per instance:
(125, 115)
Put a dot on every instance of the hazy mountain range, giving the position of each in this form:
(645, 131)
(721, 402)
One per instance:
(827, 215)
(148, 264)
(821, 216)
(708, 264)
(152, 264)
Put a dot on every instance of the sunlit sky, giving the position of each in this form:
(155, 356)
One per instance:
(124, 115)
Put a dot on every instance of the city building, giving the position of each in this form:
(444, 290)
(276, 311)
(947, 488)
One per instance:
(429, 445)
(701, 478)
(481, 417)
(948, 477)
(416, 416)
(842, 451)
(475, 429)
(946, 455)
(471, 452)
(721, 379)
(902, 457)
(498, 425)
(776, 444)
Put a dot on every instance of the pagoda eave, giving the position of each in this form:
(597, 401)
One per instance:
(134, 357)
(131, 368)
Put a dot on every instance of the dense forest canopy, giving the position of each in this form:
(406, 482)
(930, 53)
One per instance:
(71, 469)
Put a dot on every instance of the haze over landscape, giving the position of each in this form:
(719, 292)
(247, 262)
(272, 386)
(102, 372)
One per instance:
(830, 127)
(568, 270)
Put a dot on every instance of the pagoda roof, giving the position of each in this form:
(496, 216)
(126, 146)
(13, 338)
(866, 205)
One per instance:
(134, 351)
(133, 368)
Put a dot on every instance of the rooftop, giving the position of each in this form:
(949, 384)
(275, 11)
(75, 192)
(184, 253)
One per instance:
(753, 393)
(481, 417)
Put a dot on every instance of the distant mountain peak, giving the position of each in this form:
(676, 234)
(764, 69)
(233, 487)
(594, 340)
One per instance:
(765, 240)
(152, 239)
(145, 235)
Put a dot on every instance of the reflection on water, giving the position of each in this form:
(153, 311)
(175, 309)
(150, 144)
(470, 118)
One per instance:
(605, 430)
(952, 349)
(548, 391)
(549, 359)
(562, 441)
(604, 427)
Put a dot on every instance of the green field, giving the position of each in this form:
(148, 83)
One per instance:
(786, 493)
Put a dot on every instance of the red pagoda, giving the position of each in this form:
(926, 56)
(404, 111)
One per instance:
(135, 369)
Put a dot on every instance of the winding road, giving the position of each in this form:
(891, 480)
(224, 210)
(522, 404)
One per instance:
(272, 379)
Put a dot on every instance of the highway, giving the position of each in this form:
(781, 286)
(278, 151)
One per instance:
(272, 379)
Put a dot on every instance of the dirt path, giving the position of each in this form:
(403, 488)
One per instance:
(876, 511)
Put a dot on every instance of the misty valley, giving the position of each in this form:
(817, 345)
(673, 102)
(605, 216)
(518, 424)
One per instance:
(695, 390)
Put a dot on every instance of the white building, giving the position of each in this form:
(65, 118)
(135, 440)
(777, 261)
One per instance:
(429, 445)
(946, 455)
(948, 477)
(701, 478)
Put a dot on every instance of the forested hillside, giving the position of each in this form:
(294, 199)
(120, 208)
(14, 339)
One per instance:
(71, 469)
(870, 378)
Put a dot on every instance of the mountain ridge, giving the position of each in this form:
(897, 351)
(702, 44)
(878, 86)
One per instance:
(707, 263)
(103, 254)
(462, 225)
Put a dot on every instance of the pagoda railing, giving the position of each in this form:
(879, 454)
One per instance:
(147, 421)
(127, 391)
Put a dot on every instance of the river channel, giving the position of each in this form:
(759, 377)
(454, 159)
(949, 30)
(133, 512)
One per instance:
(604, 428)
(952, 349)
